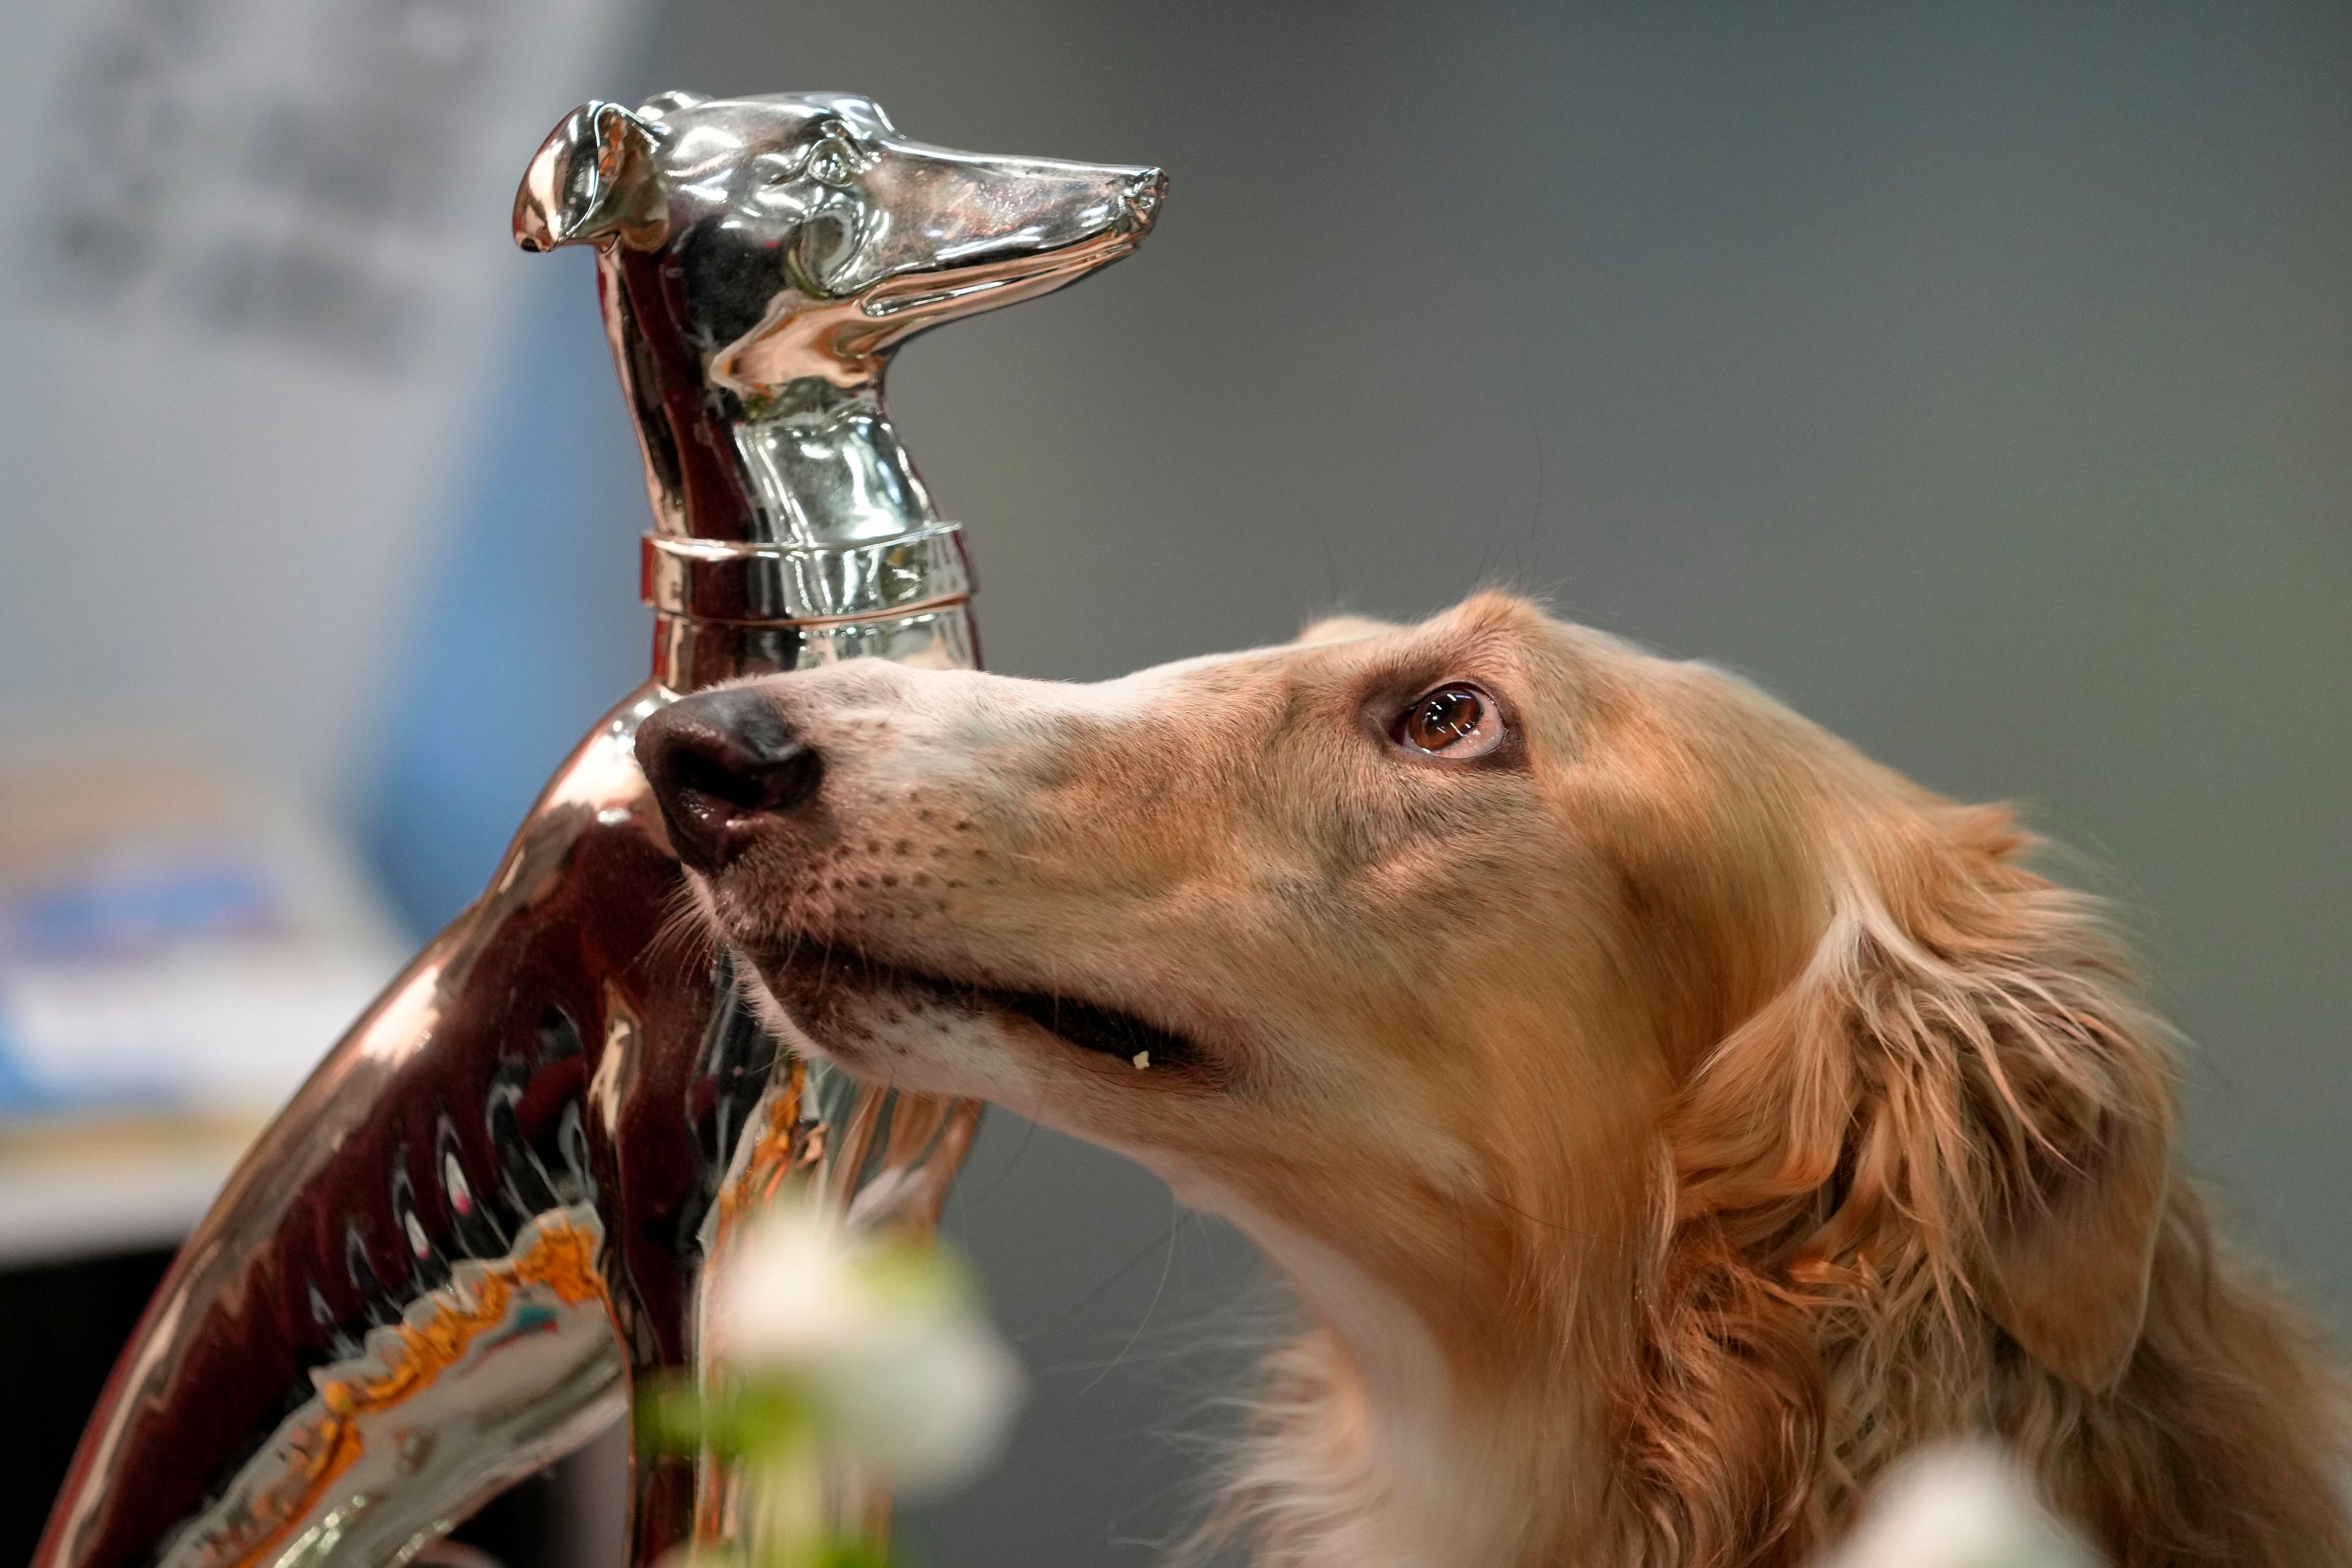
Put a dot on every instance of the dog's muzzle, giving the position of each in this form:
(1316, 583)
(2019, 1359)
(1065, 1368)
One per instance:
(718, 762)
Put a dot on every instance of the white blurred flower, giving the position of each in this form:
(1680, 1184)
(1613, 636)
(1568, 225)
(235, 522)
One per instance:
(885, 1339)
(1964, 1505)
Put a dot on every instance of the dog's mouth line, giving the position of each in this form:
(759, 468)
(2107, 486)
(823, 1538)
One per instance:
(1087, 1027)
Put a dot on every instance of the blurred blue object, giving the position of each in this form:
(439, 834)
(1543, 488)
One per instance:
(116, 911)
(528, 627)
(21, 1094)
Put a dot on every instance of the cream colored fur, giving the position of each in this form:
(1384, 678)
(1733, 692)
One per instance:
(1668, 1118)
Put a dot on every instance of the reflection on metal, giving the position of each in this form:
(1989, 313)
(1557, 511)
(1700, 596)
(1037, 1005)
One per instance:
(492, 1203)
(359, 1471)
(878, 1160)
(759, 260)
(712, 580)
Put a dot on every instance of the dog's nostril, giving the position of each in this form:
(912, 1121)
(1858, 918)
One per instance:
(719, 764)
(697, 773)
(779, 781)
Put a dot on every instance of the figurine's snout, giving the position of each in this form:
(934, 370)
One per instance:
(719, 762)
(1143, 196)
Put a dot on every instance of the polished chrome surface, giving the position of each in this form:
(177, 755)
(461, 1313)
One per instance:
(690, 654)
(759, 259)
(489, 1209)
(719, 581)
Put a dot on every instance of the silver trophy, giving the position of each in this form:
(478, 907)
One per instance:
(491, 1207)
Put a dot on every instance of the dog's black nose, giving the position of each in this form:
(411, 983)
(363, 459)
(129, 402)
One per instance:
(718, 762)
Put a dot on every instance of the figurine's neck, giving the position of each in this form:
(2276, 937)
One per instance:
(821, 465)
(798, 459)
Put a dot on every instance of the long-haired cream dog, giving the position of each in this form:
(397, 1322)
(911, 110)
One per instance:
(1668, 1116)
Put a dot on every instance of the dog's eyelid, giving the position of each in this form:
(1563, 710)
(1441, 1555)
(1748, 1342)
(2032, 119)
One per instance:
(1394, 688)
(1452, 721)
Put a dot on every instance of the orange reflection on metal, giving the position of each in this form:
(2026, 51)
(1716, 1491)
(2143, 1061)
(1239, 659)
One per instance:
(562, 1257)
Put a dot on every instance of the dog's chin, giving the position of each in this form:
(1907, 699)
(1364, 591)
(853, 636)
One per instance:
(925, 1031)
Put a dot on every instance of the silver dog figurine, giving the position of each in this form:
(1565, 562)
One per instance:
(491, 1207)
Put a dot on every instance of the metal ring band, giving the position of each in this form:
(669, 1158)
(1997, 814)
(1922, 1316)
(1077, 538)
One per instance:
(690, 653)
(721, 580)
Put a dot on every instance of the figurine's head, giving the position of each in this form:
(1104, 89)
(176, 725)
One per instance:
(805, 236)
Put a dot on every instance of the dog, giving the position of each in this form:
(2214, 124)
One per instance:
(1668, 1117)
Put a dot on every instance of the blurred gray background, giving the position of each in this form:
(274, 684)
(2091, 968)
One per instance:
(1978, 379)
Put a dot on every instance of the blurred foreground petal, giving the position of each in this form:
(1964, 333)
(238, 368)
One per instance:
(1964, 1505)
(885, 1340)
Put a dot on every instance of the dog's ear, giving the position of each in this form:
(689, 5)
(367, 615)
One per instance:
(1957, 1095)
(1343, 628)
(2068, 1258)
(592, 182)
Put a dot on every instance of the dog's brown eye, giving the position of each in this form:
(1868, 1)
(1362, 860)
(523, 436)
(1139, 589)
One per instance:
(1451, 721)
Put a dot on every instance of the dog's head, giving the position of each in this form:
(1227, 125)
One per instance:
(1213, 911)
(1490, 959)
(809, 235)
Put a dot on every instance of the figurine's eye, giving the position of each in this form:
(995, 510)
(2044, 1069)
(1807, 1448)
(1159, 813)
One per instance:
(1456, 722)
(834, 161)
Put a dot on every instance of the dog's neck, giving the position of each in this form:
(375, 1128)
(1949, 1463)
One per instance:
(1404, 1435)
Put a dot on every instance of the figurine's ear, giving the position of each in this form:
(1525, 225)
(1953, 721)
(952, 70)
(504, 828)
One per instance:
(591, 181)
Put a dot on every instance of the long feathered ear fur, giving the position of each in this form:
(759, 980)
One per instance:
(1952, 1119)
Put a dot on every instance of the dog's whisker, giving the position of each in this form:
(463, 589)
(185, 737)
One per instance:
(1028, 1132)
(1166, 1266)
(1599, 1238)
(1103, 1287)
(684, 932)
